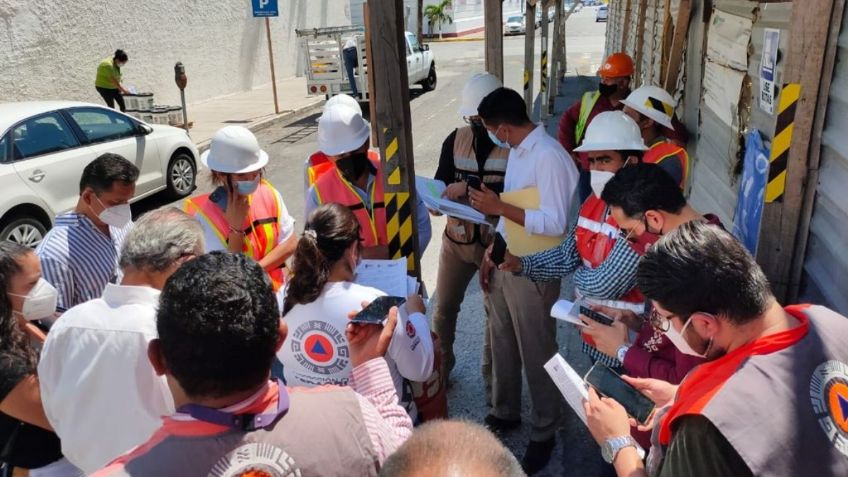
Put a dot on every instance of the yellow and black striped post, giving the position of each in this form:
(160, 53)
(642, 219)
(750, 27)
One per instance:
(778, 159)
(400, 212)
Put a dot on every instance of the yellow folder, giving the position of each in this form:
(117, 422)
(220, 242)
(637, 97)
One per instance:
(519, 242)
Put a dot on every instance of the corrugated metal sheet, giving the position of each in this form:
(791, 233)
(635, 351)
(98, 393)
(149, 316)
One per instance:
(769, 15)
(826, 265)
(615, 26)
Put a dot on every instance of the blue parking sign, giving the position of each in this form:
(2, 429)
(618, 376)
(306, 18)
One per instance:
(265, 8)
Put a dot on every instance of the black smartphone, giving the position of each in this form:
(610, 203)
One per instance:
(473, 181)
(378, 310)
(608, 383)
(498, 249)
(596, 316)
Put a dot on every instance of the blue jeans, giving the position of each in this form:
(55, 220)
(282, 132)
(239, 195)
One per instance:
(351, 62)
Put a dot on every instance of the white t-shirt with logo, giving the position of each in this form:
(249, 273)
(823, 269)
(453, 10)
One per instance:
(316, 350)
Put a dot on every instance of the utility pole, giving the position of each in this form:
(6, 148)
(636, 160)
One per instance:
(557, 65)
(543, 65)
(493, 12)
(387, 65)
(529, 53)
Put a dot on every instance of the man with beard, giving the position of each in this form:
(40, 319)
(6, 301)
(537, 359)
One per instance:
(467, 151)
(357, 181)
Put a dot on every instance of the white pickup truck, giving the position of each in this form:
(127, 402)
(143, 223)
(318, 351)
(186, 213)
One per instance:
(325, 69)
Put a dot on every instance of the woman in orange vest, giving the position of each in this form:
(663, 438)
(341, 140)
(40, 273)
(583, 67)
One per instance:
(244, 213)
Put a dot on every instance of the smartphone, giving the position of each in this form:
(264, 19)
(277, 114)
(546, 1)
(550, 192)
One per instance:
(378, 310)
(608, 383)
(498, 249)
(473, 181)
(596, 316)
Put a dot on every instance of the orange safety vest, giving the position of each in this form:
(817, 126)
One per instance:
(262, 230)
(666, 150)
(335, 189)
(595, 236)
(318, 164)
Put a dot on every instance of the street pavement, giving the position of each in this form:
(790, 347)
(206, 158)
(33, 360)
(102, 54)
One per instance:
(434, 115)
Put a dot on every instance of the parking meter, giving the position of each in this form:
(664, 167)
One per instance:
(181, 80)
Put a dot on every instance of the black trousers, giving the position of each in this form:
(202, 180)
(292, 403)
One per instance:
(111, 96)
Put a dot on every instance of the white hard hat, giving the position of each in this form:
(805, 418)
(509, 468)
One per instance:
(234, 150)
(476, 88)
(344, 99)
(341, 130)
(653, 102)
(612, 131)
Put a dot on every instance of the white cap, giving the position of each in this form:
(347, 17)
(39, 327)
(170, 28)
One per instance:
(341, 130)
(476, 88)
(345, 100)
(612, 131)
(234, 150)
(653, 102)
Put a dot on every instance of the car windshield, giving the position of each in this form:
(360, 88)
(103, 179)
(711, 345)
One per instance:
(514, 19)
(603, 8)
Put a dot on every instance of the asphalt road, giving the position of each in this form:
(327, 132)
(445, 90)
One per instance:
(434, 116)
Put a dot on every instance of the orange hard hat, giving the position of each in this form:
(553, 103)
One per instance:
(617, 65)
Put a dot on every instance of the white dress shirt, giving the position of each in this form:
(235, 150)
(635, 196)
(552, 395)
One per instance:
(540, 161)
(98, 388)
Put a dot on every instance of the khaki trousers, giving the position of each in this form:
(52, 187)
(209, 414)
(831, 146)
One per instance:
(457, 266)
(523, 334)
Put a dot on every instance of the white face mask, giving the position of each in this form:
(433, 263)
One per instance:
(40, 302)
(680, 342)
(599, 180)
(116, 216)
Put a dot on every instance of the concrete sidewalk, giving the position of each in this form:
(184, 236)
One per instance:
(253, 109)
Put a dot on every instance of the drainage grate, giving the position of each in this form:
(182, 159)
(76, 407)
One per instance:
(297, 135)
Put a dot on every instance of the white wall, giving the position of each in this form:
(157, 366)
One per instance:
(50, 49)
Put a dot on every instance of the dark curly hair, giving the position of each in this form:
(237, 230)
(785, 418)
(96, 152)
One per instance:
(13, 340)
(218, 324)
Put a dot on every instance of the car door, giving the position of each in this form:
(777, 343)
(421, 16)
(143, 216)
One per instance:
(116, 133)
(415, 59)
(49, 158)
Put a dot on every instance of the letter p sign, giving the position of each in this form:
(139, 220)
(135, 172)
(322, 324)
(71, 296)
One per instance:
(265, 8)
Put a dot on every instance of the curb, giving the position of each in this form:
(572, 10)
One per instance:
(453, 40)
(268, 122)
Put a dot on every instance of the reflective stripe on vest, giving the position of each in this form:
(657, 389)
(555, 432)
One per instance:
(334, 189)
(587, 104)
(665, 150)
(262, 231)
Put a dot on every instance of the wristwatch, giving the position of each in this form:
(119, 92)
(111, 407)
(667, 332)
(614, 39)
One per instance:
(613, 446)
(622, 351)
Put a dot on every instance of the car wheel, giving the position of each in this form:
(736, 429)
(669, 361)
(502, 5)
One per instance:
(181, 175)
(429, 84)
(27, 231)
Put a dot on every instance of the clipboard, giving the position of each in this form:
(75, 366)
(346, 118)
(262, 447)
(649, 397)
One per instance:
(518, 241)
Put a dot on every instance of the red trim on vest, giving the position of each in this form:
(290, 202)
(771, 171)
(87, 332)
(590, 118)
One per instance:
(707, 380)
(664, 150)
(319, 164)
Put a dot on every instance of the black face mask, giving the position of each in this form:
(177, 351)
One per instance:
(607, 90)
(353, 166)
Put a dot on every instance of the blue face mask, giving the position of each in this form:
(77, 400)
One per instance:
(247, 187)
(497, 141)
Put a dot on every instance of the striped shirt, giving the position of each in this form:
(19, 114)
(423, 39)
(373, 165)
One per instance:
(79, 260)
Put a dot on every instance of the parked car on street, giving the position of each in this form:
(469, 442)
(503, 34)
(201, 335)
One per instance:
(602, 14)
(515, 25)
(45, 145)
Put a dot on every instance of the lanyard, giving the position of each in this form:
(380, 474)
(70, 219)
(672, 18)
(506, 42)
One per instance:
(244, 422)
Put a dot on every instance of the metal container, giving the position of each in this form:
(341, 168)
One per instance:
(145, 115)
(131, 102)
(160, 115)
(175, 115)
(145, 100)
(132, 112)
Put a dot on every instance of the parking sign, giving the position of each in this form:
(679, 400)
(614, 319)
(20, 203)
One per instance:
(265, 8)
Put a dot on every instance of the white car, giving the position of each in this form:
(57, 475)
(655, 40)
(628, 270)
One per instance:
(602, 14)
(514, 25)
(45, 145)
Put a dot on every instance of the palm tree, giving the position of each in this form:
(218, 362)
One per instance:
(438, 14)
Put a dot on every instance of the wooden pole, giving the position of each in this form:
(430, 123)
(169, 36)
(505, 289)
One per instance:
(493, 10)
(625, 29)
(557, 72)
(273, 72)
(529, 53)
(543, 65)
(640, 41)
(372, 93)
(387, 65)
(681, 33)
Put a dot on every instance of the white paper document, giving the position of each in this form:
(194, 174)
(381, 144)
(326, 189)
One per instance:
(569, 383)
(430, 191)
(388, 276)
(567, 311)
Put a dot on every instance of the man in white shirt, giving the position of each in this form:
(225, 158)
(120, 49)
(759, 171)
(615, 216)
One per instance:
(520, 326)
(99, 391)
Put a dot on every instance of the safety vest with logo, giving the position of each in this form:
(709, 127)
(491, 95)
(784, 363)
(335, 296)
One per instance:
(781, 401)
(665, 150)
(262, 224)
(587, 104)
(595, 235)
(492, 174)
(334, 189)
(322, 433)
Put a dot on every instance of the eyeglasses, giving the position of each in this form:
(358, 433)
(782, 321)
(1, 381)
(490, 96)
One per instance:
(659, 322)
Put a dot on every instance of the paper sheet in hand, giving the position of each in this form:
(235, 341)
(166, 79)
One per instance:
(569, 383)
(388, 276)
(567, 311)
(430, 191)
(518, 241)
